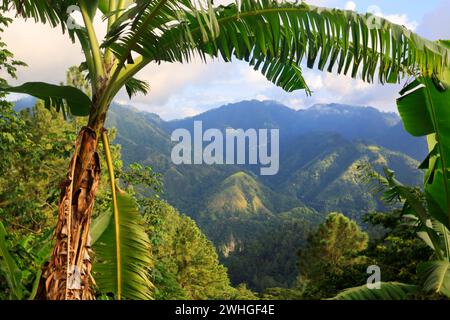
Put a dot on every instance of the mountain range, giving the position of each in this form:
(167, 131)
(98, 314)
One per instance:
(257, 223)
(248, 216)
(320, 148)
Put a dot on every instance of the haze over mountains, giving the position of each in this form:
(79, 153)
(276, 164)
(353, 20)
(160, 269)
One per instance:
(257, 223)
(318, 146)
(248, 216)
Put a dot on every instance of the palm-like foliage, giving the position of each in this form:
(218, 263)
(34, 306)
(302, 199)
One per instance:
(10, 268)
(435, 275)
(424, 110)
(45, 11)
(59, 97)
(122, 245)
(264, 30)
(272, 36)
(387, 291)
(15, 275)
(123, 259)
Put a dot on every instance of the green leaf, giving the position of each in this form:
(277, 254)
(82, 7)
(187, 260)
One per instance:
(444, 236)
(425, 110)
(134, 86)
(415, 116)
(387, 291)
(123, 269)
(413, 204)
(266, 31)
(424, 236)
(52, 12)
(92, 6)
(9, 267)
(434, 208)
(54, 96)
(99, 226)
(37, 281)
(435, 276)
(103, 5)
(399, 190)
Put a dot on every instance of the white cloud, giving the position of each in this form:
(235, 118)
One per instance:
(47, 51)
(314, 80)
(350, 5)
(184, 90)
(342, 89)
(262, 97)
(401, 19)
(322, 3)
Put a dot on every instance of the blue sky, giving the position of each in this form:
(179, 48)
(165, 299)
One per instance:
(413, 8)
(184, 90)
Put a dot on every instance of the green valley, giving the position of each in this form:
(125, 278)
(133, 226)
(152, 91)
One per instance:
(237, 187)
(236, 208)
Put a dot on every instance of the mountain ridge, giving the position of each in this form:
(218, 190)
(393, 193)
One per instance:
(321, 149)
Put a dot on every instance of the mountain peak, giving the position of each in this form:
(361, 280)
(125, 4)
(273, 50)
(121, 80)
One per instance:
(239, 193)
(336, 108)
(254, 103)
(357, 115)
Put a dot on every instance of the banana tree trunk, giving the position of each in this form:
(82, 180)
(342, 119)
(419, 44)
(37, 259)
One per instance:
(67, 276)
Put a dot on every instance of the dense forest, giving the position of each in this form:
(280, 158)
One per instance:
(184, 263)
(92, 207)
(243, 213)
(283, 255)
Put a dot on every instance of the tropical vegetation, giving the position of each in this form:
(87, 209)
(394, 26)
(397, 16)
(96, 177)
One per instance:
(272, 36)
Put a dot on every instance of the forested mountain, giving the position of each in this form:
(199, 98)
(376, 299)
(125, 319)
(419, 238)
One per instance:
(351, 122)
(184, 263)
(257, 223)
(247, 216)
(319, 147)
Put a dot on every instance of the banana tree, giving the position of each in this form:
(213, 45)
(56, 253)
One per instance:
(418, 213)
(273, 36)
(424, 107)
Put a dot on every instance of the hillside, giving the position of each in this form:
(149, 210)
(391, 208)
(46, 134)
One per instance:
(239, 195)
(321, 149)
(322, 171)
